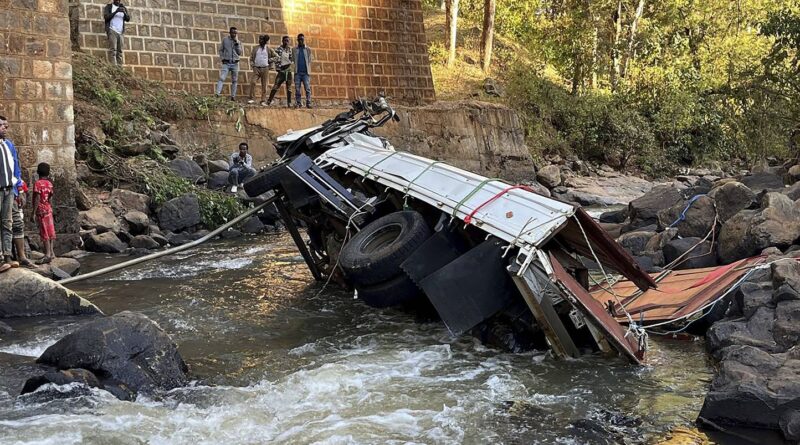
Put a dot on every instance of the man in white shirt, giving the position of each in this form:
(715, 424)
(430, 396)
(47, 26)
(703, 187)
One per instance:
(115, 15)
(260, 59)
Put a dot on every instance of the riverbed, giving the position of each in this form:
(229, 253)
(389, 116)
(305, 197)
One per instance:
(278, 357)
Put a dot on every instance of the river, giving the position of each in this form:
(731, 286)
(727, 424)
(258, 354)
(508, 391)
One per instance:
(275, 357)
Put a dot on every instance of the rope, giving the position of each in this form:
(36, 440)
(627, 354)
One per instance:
(366, 173)
(468, 218)
(682, 217)
(408, 186)
(358, 212)
(472, 193)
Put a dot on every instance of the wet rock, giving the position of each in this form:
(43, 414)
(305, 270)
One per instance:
(644, 210)
(750, 296)
(160, 239)
(756, 332)
(793, 192)
(124, 236)
(790, 425)
(613, 230)
(787, 323)
(100, 218)
(26, 293)
(218, 166)
(614, 216)
(188, 169)
(231, 234)
(696, 221)
(763, 181)
(701, 255)
(144, 242)
(127, 351)
(785, 292)
(252, 225)
(69, 265)
(138, 222)
(199, 234)
(75, 254)
(106, 242)
(635, 242)
(62, 377)
(647, 264)
(217, 180)
(178, 239)
(180, 213)
(732, 197)
(126, 200)
(5, 329)
(786, 272)
(549, 176)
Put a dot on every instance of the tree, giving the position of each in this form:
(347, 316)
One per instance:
(452, 28)
(487, 36)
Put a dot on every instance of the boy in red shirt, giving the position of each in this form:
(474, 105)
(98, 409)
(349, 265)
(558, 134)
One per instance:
(42, 194)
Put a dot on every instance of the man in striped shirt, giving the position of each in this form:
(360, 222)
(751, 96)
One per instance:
(10, 174)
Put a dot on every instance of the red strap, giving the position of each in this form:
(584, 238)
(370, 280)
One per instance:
(468, 218)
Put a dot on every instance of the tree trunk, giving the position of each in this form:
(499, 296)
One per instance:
(632, 37)
(617, 19)
(487, 36)
(442, 5)
(452, 33)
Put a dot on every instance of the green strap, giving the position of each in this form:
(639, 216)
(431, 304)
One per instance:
(472, 193)
(366, 174)
(408, 187)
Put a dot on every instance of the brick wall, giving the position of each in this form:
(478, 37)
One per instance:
(360, 46)
(36, 81)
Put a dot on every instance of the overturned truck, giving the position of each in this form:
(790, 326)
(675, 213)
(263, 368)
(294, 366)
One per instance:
(404, 230)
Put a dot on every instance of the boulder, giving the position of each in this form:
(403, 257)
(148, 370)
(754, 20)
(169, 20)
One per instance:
(549, 176)
(138, 222)
(75, 254)
(697, 220)
(218, 166)
(126, 200)
(5, 329)
(100, 218)
(756, 332)
(750, 296)
(794, 172)
(26, 293)
(535, 186)
(614, 216)
(647, 264)
(128, 352)
(144, 242)
(69, 265)
(134, 148)
(732, 197)
(124, 236)
(106, 242)
(188, 169)
(659, 240)
(178, 239)
(759, 182)
(62, 377)
(635, 242)
(217, 180)
(82, 201)
(790, 425)
(749, 232)
(793, 192)
(613, 230)
(159, 238)
(787, 323)
(702, 255)
(786, 271)
(644, 210)
(169, 150)
(180, 213)
(252, 225)
(230, 234)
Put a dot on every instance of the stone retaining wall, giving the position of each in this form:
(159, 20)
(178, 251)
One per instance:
(360, 46)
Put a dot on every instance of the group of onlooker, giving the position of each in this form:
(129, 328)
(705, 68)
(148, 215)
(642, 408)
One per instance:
(262, 59)
(12, 203)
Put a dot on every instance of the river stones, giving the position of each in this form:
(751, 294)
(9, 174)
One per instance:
(138, 222)
(127, 352)
(106, 242)
(697, 220)
(188, 169)
(220, 165)
(217, 180)
(26, 294)
(126, 200)
(144, 242)
(776, 223)
(702, 253)
(100, 218)
(252, 225)
(732, 197)
(549, 176)
(180, 213)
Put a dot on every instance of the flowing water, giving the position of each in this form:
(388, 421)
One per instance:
(277, 358)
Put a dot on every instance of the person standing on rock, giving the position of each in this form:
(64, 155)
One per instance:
(302, 72)
(10, 174)
(283, 67)
(241, 167)
(18, 224)
(229, 52)
(115, 15)
(260, 59)
(42, 195)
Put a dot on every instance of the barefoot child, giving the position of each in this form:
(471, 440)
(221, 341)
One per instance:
(42, 194)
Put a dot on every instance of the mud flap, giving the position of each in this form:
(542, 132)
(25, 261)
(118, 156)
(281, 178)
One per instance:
(471, 288)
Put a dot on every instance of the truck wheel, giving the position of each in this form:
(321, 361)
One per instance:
(374, 254)
(392, 292)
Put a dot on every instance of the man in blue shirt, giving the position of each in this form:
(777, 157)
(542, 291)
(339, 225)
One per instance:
(301, 55)
(10, 175)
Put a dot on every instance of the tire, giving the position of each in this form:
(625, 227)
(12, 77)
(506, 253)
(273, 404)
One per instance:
(374, 254)
(393, 292)
(265, 181)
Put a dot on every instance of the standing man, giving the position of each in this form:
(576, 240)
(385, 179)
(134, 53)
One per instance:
(229, 51)
(9, 176)
(115, 15)
(283, 66)
(260, 60)
(18, 224)
(241, 168)
(302, 72)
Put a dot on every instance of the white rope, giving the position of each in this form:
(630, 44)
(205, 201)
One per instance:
(358, 212)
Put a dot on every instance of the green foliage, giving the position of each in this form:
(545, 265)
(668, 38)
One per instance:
(215, 208)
